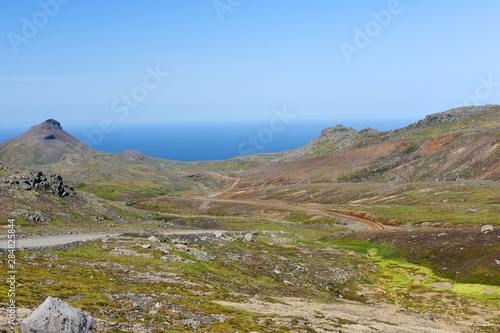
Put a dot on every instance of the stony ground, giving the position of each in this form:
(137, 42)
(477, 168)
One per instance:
(265, 281)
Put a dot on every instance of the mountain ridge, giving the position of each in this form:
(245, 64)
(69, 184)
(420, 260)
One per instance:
(48, 143)
(339, 139)
(454, 145)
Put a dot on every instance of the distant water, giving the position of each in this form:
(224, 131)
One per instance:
(206, 141)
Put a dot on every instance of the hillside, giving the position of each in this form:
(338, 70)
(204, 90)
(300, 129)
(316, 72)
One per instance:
(47, 147)
(457, 144)
(35, 198)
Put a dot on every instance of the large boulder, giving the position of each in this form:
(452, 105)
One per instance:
(56, 316)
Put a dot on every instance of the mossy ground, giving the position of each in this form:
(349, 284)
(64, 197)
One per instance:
(422, 288)
(88, 276)
(294, 262)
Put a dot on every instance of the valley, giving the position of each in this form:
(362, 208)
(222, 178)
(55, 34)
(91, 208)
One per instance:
(356, 232)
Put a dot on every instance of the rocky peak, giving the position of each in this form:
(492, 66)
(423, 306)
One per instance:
(457, 114)
(43, 143)
(339, 136)
(53, 123)
(338, 128)
(336, 133)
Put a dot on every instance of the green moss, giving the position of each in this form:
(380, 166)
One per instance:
(385, 250)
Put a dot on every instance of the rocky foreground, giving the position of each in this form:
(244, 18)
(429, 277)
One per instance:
(268, 281)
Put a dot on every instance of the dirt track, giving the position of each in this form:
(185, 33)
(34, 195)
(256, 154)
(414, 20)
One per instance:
(235, 183)
(212, 197)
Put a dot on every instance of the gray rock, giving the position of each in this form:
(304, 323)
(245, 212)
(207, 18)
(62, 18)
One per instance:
(181, 247)
(455, 115)
(153, 239)
(33, 217)
(56, 316)
(25, 186)
(248, 237)
(38, 180)
(369, 132)
(200, 255)
(164, 249)
(487, 228)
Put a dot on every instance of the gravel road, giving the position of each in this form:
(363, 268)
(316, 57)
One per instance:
(53, 240)
(40, 241)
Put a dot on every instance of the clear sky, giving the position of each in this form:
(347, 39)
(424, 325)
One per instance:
(81, 61)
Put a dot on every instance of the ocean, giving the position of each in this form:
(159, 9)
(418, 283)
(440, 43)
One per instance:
(206, 141)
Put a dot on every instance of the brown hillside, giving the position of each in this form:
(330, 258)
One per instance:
(467, 147)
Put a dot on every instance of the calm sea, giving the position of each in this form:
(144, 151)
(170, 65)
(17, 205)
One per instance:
(205, 141)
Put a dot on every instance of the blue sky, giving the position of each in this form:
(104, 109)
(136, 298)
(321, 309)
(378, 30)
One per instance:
(241, 63)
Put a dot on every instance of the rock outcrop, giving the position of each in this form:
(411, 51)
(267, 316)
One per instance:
(332, 140)
(56, 316)
(369, 132)
(133, 156)
(38, 180)
(456, 115)
(34, 217)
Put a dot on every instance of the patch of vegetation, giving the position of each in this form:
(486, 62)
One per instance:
(464, 262)
(385, 250)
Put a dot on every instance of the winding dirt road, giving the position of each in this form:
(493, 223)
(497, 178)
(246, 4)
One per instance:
(41, 241)
(214, 197)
